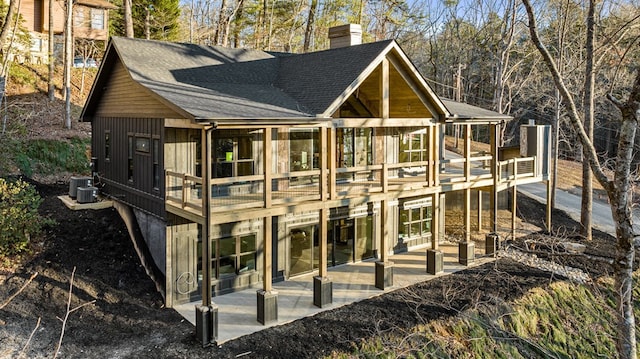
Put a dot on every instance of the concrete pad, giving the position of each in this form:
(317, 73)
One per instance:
(237, 312)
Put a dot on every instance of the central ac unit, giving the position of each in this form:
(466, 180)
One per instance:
(77, 182)
(87, 194)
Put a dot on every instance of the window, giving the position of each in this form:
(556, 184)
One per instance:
(413, 147)
(107, 145)
(414, 223)
(142, 144)
(78, 19)
(354, 147)
(231, 255)
(97, 19)
(304, 146)
(156, 163)
(130, 160)
(233, 155)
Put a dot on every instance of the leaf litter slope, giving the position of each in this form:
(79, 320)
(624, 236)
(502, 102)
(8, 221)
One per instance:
(128, 319)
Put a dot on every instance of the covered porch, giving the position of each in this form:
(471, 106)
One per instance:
(351, 283)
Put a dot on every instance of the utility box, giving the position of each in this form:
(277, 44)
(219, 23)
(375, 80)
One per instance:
(87, 194)
(77, 182)
(535, 140)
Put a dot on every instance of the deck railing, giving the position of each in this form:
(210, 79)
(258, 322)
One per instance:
(516, 168)
(185, 190)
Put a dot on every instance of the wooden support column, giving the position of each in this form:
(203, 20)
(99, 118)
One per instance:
(324, 170)
(267, 299)
(494, 133)
(207, 313)
(322, 285)
(514, 190)
(332, 154)
(435, 257)
(466, 248)
(384, 87)
(479, 228)
(266, 161)
(467, 215)
(384, 268)
(467, 153)
(435, 140)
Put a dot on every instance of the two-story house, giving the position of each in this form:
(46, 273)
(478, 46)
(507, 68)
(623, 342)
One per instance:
(244, 167)
(90, 21)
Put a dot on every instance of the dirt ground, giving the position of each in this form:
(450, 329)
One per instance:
(124, 316)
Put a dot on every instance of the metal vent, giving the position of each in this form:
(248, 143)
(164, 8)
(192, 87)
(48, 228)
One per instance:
(77, 182)
(87, 194)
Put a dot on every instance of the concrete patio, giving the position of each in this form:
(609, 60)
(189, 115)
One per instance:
(237, 312)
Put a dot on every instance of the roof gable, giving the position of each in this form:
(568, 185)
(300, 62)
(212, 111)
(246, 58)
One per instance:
(213, 83)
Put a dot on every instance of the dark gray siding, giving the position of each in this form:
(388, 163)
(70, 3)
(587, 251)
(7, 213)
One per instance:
(114, 171)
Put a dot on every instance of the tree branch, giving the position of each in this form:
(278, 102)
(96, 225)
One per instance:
(588, 148)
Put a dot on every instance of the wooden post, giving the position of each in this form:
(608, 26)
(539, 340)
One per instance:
(479, 210)
(513, 211)
(384, 88)
(267, 299)
(495, 174)
(324, 171)
(323, 226)
(467, 153)
(332, 162)
(435, 140)
(384, 233)
(266, 161)
(435, 221)
(384, 268)
(267, 255)
(207, 313)
(322, 285)
(206, 207)
(467, 215)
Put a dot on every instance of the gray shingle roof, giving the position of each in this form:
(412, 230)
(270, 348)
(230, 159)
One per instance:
(317, 79)
(216, 83)
(209, 82)
(469, 112)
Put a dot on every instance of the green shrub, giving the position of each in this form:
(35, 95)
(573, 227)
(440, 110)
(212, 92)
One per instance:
(19, 217)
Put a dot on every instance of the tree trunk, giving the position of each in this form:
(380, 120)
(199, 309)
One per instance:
(310, 24)
(589, 79)
(13, 8)
(52, 60)
(128, 19)
(68, 60)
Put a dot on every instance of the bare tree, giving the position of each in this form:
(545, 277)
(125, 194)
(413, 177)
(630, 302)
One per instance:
(128, 18)
(618, 189)
(52, 62)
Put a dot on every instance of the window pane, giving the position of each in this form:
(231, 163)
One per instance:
(142, 144)
(303, 149)
(245, 169)
(224, 170)
(224, 149)
(402, 226)
(97, 19)
(245, 148)
(248, 243)
(227, 256)
(415, 228)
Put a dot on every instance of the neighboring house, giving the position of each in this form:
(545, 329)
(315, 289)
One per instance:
(291, 163)
(90, 21)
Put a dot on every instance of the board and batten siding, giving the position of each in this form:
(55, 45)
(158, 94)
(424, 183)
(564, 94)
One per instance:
(114, 171)
(123, 97)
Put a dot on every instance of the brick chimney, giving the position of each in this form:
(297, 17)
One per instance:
(345, 35)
